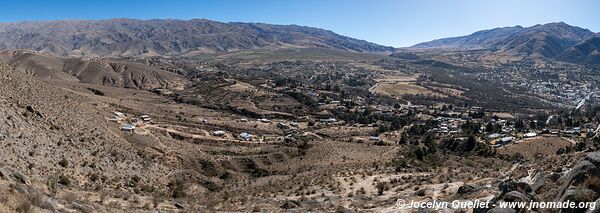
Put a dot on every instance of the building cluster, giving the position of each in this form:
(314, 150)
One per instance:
(130, 123)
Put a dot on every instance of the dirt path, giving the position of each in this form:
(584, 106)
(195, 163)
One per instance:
(205, 136)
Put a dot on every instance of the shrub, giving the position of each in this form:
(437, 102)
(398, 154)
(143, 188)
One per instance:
(178, 189)
(94, 177)
(517, 157)
(51, 184)
(381, 187)
(96, 92)
(420, 192)
(64, 180)
(379, 143)
(63, 162)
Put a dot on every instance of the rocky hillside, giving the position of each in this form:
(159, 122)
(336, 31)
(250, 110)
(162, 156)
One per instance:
(539, 41)
(587, 51)
(127, 37)
(55, 141)
(102, 72)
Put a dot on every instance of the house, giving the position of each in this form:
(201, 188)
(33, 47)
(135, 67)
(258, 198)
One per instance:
(264, 120)
(494, 136)
(246, 136)
(146, 118)
(340, 108)
(374, 138)
(443, 129)
(119, 114)
(128, 128)
(218, 133)
(530, 135)
(328, 120)
(505, 140)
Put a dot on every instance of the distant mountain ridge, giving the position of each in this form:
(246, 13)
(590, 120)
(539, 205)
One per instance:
(549, 41)
(129, 37)
(587, 52)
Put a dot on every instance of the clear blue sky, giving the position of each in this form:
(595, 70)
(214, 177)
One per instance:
(389, 22)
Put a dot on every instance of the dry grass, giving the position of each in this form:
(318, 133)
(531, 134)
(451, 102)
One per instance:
(533, 147)
(403, 88)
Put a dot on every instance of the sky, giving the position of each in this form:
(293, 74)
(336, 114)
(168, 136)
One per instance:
(397, 23)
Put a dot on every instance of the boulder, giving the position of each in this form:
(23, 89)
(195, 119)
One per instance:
(524, 187)
(179, 206)
(578, 174)
(574, 194)
(4, 173)
(593, 158)
(290, 204)
(540, 181)
(30, 109)
(572, 180)
(516, 196)
(511, 191)
(596, 207)
(507, 186)
(21, 178)
(466, 189)
(501, 210)
(577, 195)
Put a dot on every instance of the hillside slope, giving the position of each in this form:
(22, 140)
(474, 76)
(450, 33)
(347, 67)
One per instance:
(587, 52)
(102, 72)
(51, 134)
(539, 41)
(128, 37)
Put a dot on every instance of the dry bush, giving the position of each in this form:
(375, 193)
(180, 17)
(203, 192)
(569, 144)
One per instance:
(39, 200)
(421, 192)
(70, 197)
(381, 187)
(593, 183)
(156, 201)
(24, 206)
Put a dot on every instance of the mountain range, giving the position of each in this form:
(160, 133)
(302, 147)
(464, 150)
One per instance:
(129, 37)
(548, 41)
(587, 51)
(138, 38)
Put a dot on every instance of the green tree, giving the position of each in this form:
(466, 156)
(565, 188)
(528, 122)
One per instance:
(519, 125)
(470, 143)
(489, 127)
(403, 139)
